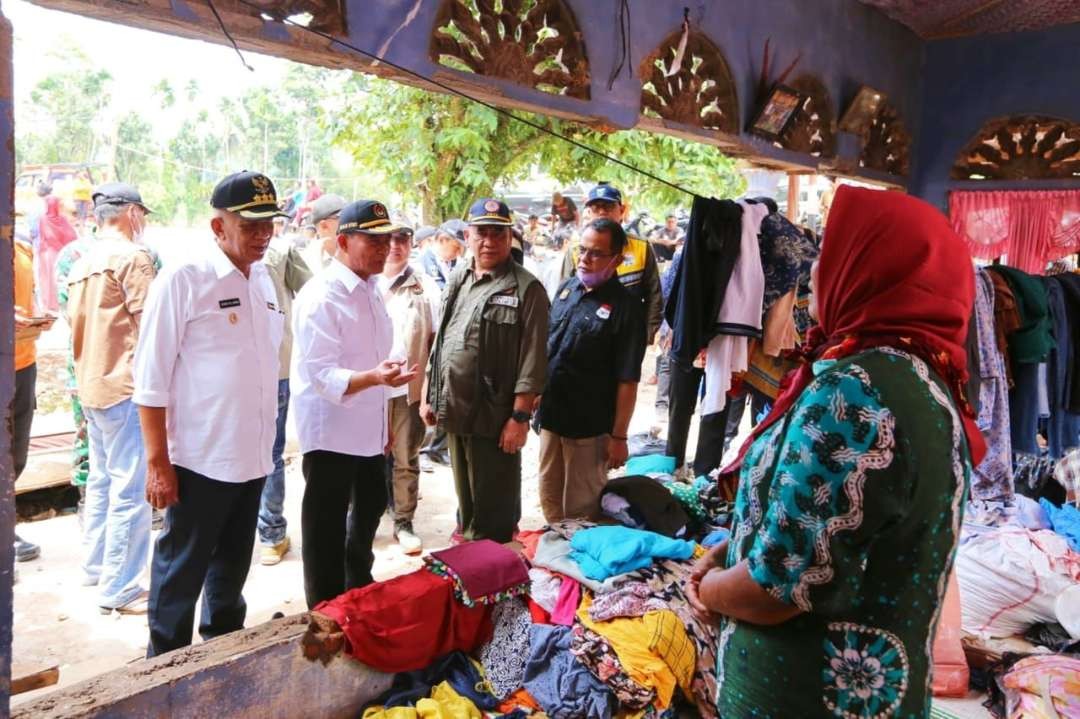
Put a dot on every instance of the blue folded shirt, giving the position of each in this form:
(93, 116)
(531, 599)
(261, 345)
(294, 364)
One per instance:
(604, 552)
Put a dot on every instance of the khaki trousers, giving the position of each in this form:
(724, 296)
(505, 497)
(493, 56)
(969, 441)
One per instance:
(408, 431)
(573, 472)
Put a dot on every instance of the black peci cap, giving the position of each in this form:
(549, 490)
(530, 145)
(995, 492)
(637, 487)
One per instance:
(118, 193)
(368, 216)
(249, 194)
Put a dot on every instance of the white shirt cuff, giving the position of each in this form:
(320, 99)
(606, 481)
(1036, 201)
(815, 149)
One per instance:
(337, 381)
(150, 397)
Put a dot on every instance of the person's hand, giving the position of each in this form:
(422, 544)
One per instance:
(513, 436)
(536, 404)
(427, 414)
(22, 321)
(616, 453)
(387, 371)
(162, 486)
(404, 376)
(713, 559)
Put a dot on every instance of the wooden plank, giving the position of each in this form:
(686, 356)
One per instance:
(27, 679)
(793, 197)
(51, 469)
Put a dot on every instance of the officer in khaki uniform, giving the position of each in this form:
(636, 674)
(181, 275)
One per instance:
(487, 367)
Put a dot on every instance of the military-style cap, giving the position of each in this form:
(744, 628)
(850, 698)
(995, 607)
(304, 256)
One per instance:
(604, 192)
(248, 194)
(368, 216)
(454, 228)
(488, 211)
(424, 232)
(118, 193)
(325, 207)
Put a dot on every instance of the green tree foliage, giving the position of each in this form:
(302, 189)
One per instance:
(59, 123)
(441, 151)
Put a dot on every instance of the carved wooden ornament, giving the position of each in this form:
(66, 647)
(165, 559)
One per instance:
(887, 146)
(535, 43)
(1022, 147)
(326, 15)
(813, 130)
(700, 92)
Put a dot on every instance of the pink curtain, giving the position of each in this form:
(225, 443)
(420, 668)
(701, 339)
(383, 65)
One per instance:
(1032, 228)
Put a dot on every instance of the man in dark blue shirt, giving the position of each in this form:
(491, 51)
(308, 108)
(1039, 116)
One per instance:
(596, 342)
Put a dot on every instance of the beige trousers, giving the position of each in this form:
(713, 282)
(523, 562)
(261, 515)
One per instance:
(572, 475)
(408, 431)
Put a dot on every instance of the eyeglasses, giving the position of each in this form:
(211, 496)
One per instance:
(595, 254)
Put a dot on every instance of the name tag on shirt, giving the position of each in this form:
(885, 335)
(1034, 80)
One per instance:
(231, 302)
(604, 312)
(504, 300)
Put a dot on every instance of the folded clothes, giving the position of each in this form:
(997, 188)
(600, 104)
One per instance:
(544, 588)
(485, 571)
(503, 658)
(561, 685)
(634, 599)
(603, 552)
(553, 553)
(444, 703)
(567, 604)
(387, 625)
(455, 670)
(650, 500)
(650, 464)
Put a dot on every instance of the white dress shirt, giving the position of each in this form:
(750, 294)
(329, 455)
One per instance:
(340, 326)
(208, 352)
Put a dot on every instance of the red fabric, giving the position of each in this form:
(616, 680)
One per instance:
(566, 605)
(55, 230)
(528, 541)
(891, 273)
(1030, 228)
(539, 614)
(484, 567)
(405, 623)
(314, 192)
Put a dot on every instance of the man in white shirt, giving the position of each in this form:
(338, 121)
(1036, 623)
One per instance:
(411, 315)
(206, 380)
(341, 368)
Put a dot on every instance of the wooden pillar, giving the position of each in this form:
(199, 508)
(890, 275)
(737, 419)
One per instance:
(793, 197)
(7, 359)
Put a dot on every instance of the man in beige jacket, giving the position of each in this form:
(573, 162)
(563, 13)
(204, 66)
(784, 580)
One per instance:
(411, 314)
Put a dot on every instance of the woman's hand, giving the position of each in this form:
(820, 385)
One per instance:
(713, 559)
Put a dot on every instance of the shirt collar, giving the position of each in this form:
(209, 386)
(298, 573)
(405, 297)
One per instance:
(346, 276)
(220, 261)
(496, 273)
(108, 232)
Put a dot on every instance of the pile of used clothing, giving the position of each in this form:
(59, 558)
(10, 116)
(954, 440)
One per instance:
(587, 621)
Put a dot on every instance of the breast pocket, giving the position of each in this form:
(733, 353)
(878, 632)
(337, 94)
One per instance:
(499, 344)
(276, 323)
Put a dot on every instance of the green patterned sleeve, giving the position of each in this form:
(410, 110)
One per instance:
(837, 483)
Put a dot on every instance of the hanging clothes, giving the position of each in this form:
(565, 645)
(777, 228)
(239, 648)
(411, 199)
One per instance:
(740, 314)
(1032, 341)
(1070, 287)
(701, 280)
(1006, 319)
(1063, 426)
(786, 256)
(992, 479)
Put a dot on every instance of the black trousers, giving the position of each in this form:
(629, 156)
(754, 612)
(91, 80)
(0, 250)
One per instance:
(344, 498)
(22, 416)
(685, 386)
(205, 547)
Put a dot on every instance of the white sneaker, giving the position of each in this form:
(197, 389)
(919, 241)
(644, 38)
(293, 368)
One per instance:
(407, 540)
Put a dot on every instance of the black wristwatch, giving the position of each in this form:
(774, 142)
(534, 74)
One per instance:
(522, 417)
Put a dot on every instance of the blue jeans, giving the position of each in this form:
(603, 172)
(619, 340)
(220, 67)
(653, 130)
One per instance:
(272, 524)
(116, 522)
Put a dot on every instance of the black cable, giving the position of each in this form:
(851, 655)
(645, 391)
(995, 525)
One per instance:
(459, 93)
(624, 42)
(227, 35)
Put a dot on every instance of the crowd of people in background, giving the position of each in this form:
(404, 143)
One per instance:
(437, 343)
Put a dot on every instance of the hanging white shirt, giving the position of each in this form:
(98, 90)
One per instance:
(208, 353)
(739, 316)
(340, 326)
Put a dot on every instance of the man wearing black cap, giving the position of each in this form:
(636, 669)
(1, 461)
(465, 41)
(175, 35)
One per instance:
(638, 271)
(488, 365)
(325, 212)
(106, 291)
(340, 375)
(206, 380)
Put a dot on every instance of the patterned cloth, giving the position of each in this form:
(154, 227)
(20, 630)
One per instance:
(849, 509)
(596, 653)
(1067, 472)
(462, 595)
(632, 600)
(689, 499)
(504, 657)
(992, 479)
(786, 256)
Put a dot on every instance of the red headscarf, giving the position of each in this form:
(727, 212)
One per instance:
(891, 273)
(54, 229)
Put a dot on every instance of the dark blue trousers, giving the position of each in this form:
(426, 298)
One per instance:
(205, 548)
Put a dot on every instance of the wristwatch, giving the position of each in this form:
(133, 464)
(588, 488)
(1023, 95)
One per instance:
(522, 417)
